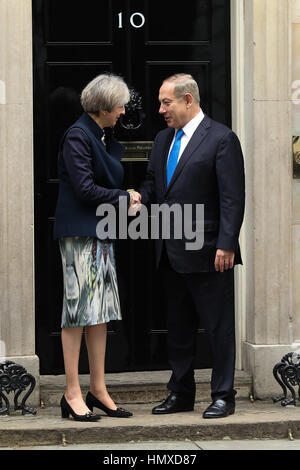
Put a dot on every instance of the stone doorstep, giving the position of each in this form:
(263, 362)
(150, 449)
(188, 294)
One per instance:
(139, 387)
(257, 420)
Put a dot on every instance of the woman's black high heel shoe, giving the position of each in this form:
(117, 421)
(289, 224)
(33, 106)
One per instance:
(66, 410)
(92, 401)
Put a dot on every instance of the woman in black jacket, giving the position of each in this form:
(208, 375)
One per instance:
(90, 173)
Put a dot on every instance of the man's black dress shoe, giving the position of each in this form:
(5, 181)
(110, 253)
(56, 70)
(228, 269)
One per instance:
(173, 404)
(219, 409)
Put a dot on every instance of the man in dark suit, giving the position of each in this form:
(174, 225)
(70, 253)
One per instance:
(197, 161)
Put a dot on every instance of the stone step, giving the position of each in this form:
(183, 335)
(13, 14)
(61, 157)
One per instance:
(138, 387)
(252, 420)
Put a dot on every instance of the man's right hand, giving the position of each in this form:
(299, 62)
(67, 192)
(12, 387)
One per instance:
(135, 197)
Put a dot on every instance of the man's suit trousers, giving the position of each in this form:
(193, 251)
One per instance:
(210, 296)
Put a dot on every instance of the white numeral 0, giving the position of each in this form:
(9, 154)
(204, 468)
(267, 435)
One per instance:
(137, 25)
(132, 22)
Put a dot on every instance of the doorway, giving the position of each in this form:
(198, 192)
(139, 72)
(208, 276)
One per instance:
(131, 38)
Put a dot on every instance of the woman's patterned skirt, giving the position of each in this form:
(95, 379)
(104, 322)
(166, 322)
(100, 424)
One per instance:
(91, 292)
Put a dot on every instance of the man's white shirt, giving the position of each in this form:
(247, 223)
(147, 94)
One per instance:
(188, 130)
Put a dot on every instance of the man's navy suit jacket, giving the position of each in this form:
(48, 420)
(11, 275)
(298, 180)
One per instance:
(210, 172)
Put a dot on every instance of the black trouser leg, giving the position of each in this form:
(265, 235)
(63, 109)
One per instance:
(181, 325)
(213, 295)
(209, 295)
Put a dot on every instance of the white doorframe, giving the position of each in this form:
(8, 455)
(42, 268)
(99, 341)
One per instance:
(238, 126)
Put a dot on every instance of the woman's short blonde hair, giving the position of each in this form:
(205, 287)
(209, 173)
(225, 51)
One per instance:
(105, 92)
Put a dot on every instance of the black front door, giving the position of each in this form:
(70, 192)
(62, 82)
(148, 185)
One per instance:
(144, 41)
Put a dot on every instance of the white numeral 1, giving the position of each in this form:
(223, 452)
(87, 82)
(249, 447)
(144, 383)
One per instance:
(120, 20)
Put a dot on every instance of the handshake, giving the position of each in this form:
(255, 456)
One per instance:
(135, 202)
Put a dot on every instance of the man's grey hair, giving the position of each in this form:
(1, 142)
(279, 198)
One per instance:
(105, 92)
(184, 83)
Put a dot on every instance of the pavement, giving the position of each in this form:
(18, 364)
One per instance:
(256, 424)
(163, 447)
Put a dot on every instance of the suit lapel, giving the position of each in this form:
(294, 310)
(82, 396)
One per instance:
(193, 144)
